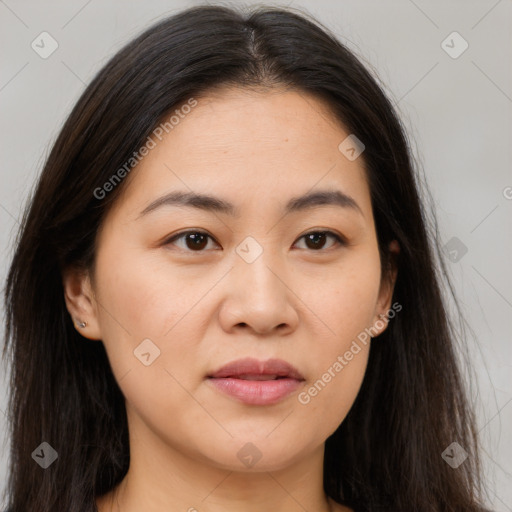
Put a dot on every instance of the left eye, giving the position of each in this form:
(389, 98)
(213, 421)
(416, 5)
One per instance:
(196, 241)
(315, 238)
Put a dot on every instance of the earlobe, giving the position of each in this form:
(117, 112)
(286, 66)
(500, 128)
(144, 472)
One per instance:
(81, 303)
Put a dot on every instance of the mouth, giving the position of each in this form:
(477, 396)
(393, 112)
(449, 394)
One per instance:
(256, 382)
(259, 377)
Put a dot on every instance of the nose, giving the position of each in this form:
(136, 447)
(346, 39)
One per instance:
(258, 298)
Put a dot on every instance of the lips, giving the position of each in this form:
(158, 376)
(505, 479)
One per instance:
(271, 368)
(257, 382)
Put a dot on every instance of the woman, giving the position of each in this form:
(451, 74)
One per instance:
(223, 296)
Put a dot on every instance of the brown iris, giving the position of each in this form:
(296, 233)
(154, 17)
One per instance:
(315, 240)
(197, 241)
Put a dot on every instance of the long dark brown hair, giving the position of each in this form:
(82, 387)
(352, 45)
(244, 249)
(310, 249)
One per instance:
(386, 454)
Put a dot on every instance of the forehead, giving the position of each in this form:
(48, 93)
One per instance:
(258, 146)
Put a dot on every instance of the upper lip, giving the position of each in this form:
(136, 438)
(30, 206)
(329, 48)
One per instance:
(250, 366)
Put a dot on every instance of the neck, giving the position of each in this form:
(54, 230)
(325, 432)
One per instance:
(207, 488)
(161, 478)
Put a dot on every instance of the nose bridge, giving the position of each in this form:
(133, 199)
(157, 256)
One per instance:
(257, 268)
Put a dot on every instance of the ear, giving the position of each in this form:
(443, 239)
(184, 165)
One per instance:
(81, 302)
(387, 286)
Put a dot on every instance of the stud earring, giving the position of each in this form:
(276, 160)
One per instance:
(82, 324)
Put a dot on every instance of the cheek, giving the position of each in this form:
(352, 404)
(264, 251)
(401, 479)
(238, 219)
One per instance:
(343, 299)
(327, 401)
(146, 309)
(140, 298)
(346, 306)
(142, 293)
(335, 387)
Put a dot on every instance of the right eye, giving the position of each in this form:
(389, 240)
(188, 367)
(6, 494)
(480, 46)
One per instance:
(195, 241)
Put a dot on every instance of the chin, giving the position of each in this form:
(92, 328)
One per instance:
(253, 454)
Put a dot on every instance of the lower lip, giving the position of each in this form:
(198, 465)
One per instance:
(256, 392)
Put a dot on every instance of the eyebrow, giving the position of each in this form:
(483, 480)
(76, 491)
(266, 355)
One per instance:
(215, 204)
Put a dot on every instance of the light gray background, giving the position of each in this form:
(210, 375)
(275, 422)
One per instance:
(458, 112)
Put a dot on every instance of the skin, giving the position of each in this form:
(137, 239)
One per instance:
(204, 309)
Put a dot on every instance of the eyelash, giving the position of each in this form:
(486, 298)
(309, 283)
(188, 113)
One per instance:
(339, 239)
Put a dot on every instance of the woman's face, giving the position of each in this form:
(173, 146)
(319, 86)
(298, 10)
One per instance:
(261, 282)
